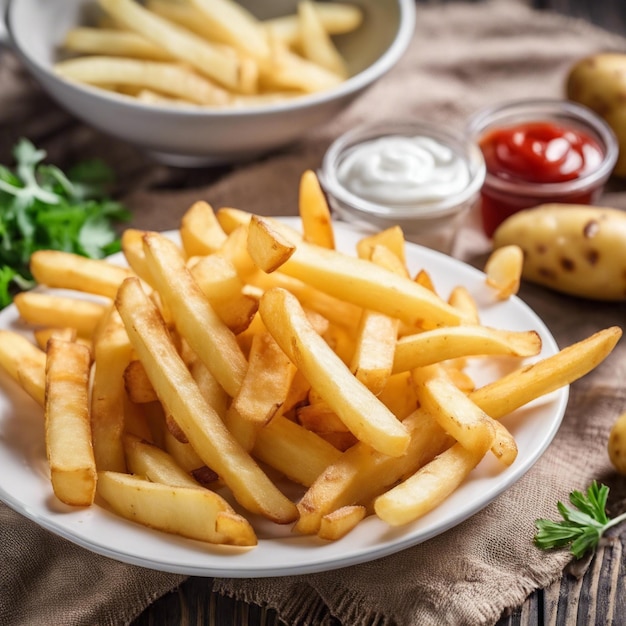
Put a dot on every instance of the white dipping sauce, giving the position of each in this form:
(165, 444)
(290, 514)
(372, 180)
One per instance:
(403, 171)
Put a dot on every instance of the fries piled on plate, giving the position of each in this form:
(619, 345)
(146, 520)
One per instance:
(242, 360)
(211, 53)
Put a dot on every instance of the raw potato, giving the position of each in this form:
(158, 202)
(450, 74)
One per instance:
(617, 444)
(575, 249)
(599, 82)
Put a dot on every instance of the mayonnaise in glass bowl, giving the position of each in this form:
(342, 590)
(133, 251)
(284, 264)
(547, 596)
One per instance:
(411, 174)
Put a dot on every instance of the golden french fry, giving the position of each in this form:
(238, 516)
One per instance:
(341, 313)
(243, 430)
(202, 425)
(136, 420)
(235, 249)
(209, 387)
(503, 270)
(457, 414)
(376, 338)
(315, 42)
(15, 349)
(169, 78)
(267, 381)
(109, 41)
(391, 238)
(65, 270)
(218, 279)
(516, 389)
(137, 384)
(200, 232)
(337, 18)
(289, 70)
(389, 259)
(231, 218)
(298, 392)
(112, 354)
(361, 473)
(441, 344)
(298, 453)
(463, 300)
(217, 276)
(268, 248)
(373, 357)
(182, 452)
(339, 523)
(425, 279)
(428, 487)
(199, 53)
(314, 212)
(358, 408)
(318, 416)
(233, 24)
(32, 377)
(399, 395)
(196, 321)
(68, 434)
(42, 335)
(461, 379)
(132, 247)
(187, 511)
(504, 446)
(43, 309)
(365, 284)
(187, 16)
(151, 462)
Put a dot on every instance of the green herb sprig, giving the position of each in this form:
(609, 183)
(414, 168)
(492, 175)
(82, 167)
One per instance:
(582, 526)
(41, 207)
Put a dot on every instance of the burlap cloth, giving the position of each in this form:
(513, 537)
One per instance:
(462, 57)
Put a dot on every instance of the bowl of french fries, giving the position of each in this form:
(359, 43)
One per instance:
(194, 82)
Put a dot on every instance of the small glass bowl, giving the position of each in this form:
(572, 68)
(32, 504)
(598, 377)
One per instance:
(501, 197)
(431, 221)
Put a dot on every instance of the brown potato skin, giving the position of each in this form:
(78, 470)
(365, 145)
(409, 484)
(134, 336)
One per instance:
(574, 249)
(598, 82)
(616, 446)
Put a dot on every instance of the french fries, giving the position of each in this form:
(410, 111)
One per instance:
(202, 426)
(208, 382)
(65, 270)
(209, 53)
(356, 406)
(207, 335)
(195, 513)
(68, 439)
(317, 224)
(504, 271)
(43, 309)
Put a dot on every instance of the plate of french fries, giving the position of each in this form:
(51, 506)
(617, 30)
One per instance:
(251, 396)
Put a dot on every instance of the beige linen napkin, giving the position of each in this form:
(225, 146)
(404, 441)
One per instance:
(463, 57)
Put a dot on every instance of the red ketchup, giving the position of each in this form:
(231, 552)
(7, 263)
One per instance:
(523, 158)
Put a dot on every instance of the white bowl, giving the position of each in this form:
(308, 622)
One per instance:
(198, 136)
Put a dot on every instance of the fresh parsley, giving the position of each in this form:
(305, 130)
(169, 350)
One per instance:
(41, 207)
(582, 526)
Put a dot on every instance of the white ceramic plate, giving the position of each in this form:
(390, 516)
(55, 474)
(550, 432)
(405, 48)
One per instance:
(24, 483)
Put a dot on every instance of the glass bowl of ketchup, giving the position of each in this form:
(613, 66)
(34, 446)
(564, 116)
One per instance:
(405, 173)
(540, 151)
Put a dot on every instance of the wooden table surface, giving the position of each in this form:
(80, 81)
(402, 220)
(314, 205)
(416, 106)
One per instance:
(592, 594)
